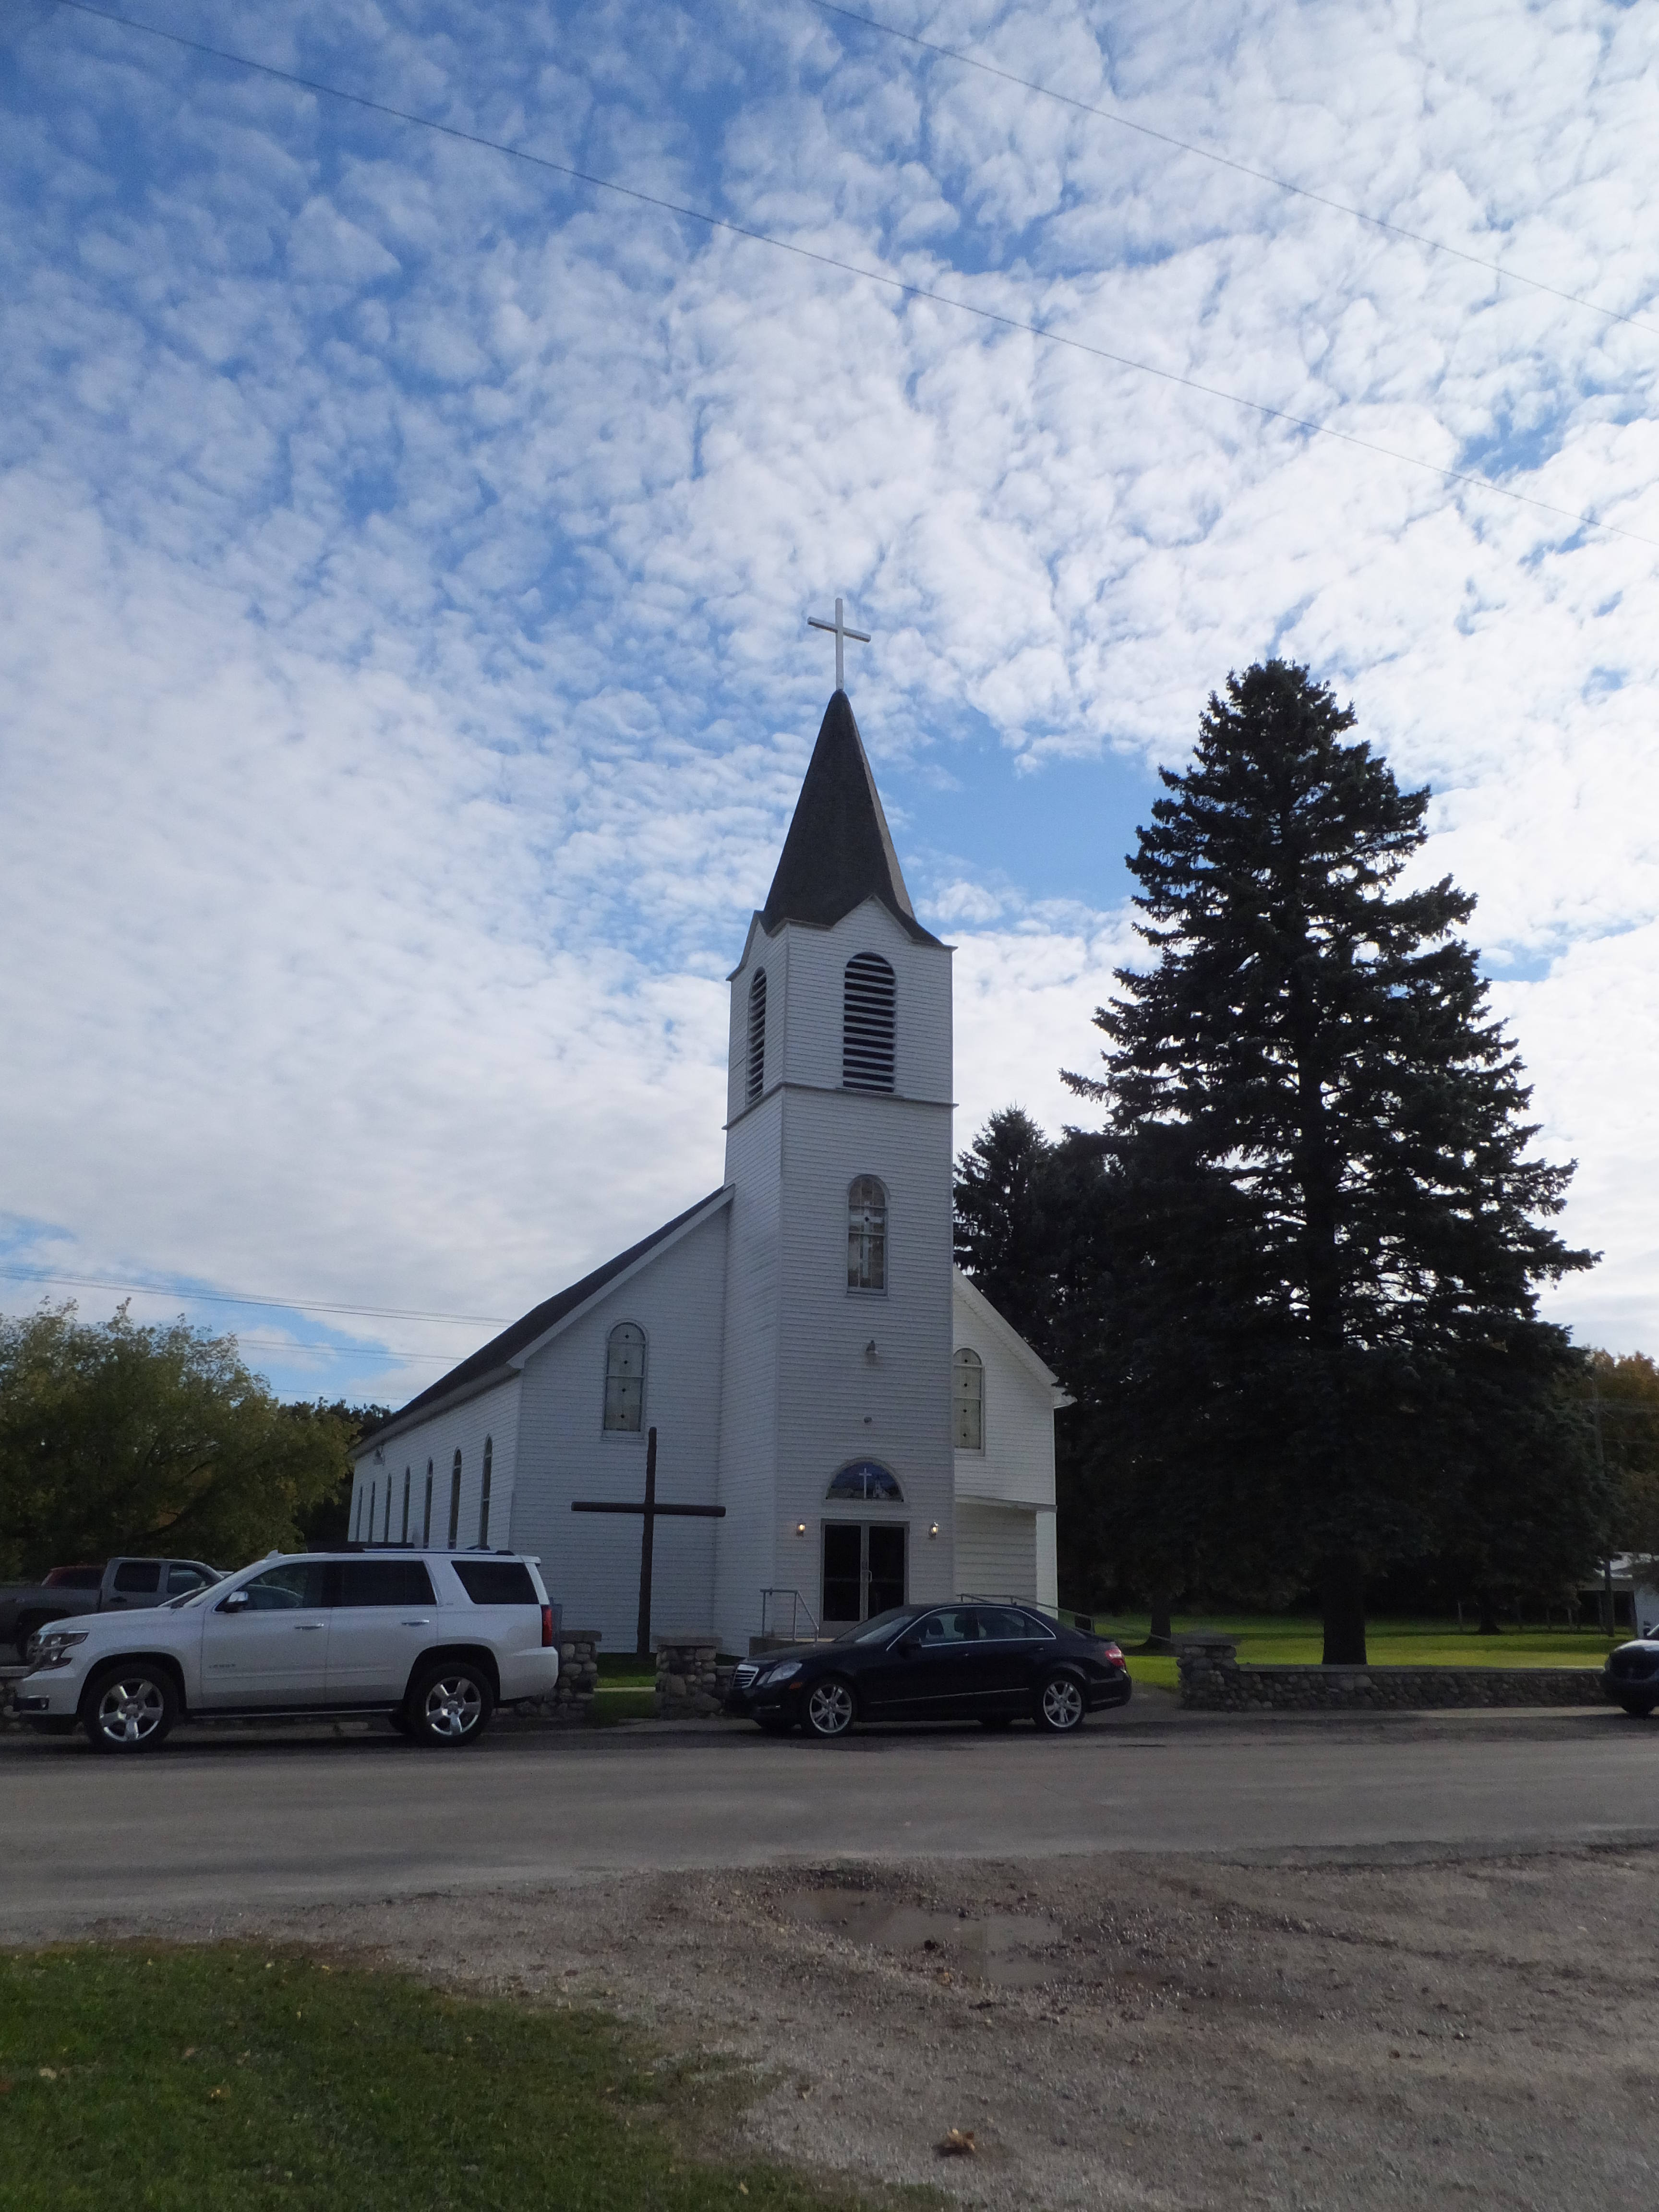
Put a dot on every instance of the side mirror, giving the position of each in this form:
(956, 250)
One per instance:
(237, 1602)
(909, 1646)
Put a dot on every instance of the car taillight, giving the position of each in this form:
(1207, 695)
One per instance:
(1113, 1656)
(547, 1628)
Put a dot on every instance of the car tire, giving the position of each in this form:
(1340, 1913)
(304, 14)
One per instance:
(449, 1704)
(774, 1724)
(129, 1707)
(1061, 1709)
(1638, 1708)
(53, 1724)
(995, 1723)
(831, 1708)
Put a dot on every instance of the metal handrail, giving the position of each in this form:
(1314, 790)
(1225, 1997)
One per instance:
(798, 1605)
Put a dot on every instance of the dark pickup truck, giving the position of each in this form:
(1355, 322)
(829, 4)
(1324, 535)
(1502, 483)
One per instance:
(26, 1608)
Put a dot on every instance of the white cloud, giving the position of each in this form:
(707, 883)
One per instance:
(403, 558)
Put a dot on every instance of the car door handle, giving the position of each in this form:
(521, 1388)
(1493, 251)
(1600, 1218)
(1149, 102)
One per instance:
(415, 1624)
(305, 1627)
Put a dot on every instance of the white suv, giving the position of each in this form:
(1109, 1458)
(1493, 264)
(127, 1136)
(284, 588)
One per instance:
(434, 1640)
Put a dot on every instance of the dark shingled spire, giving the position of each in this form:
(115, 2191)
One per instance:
(839, 851)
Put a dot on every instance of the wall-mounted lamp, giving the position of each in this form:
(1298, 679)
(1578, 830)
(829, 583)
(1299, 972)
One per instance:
(801, 1527)
(933, 1531)
(870, 1351)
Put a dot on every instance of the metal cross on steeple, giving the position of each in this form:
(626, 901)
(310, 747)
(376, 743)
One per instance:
(841, 633)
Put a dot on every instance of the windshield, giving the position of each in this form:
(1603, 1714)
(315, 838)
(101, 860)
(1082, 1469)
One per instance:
(194, 1597)
(879, 1625)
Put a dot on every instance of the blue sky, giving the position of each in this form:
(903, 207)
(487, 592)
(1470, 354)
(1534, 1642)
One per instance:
(404, 557)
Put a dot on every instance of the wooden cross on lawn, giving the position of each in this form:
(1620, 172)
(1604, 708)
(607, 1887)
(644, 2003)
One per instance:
(650, 1512)
(840, 633)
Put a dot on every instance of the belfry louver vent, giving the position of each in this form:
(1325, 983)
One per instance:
(756, 1082)
(868, 1022)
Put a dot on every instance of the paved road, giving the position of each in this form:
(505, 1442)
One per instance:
(221, 1821)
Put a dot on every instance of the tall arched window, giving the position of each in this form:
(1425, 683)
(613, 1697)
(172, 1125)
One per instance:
(756, 1078)
(455, 1504)
(357, 1523)
(624, 1378)
(426, 1518)
(484, 1494)
(867, 1024)
(406, 1476)
(968, 1400)
(373, 1488)
(385, 1531)
(866, 1235)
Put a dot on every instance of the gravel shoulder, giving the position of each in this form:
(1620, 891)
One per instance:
(1115, 2031)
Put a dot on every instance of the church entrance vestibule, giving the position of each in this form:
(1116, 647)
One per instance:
(864, 1564)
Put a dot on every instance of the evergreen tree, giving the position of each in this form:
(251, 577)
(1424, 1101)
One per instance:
(1318, 1039)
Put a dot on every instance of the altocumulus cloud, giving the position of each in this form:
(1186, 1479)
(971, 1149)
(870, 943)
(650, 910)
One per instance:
(404, 555)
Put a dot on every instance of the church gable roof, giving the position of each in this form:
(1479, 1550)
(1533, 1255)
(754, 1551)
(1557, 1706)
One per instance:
(839, 851)
(494, 1362)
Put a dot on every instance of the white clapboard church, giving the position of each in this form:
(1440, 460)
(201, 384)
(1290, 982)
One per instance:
(800, 1340)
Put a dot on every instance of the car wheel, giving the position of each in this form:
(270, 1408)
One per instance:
(450, 1704)
(130, 1708)
(1638, 1708)
(996, 1722)
(829, 1708)
(401, 1721)
(1060, 1706)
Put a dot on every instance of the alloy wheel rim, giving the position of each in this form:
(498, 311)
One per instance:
(830, 1709)
(1062, 1703)
(452, 1709)
(128, 1712)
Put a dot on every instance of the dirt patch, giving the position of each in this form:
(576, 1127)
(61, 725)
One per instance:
(1120, 2031)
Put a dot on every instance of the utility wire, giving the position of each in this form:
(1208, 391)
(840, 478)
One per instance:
(250, 1299)
(1227, 161)
(868, 276)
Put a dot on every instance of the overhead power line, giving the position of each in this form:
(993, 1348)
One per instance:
(1229, 162)
(868, 276)
(249, 1298)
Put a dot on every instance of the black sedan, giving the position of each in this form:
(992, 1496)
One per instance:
(1631, 1677)
(991, 1663)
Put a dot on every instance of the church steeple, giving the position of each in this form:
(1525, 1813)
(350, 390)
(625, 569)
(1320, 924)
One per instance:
(839, 851)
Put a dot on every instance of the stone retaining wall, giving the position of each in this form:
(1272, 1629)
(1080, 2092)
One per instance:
(692, 1679)
(579, 1677)
(1211, 1680)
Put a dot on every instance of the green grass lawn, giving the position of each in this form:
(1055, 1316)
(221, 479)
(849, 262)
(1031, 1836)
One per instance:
(171, 2080)
(1278, 1639)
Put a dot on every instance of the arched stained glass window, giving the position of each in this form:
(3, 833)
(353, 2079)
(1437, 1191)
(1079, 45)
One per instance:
(624, 1378)
(866, 1234)
(867, 1479)
(757, 1074)
(968, 1400)
(483, 1495)
(868, 1023)
(455, 1504)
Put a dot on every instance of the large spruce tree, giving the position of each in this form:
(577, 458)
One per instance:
(1318, 1040)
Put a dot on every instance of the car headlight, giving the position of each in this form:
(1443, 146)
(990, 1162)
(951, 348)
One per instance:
(52, 1649)
(781, 1673)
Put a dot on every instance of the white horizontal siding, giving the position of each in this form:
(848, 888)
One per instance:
(996, 1550)
(463, 1428)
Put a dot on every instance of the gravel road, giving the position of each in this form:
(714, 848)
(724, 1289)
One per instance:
(1122, 2031)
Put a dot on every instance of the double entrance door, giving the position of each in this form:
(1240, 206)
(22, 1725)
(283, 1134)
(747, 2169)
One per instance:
(864, 1564)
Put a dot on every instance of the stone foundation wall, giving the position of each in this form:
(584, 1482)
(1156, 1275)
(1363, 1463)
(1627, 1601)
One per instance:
(692, 1680)
(579, 1677)
(1211, 1680)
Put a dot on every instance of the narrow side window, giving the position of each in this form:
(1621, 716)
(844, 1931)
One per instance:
(968, 1400)
(869, 1022)
(426, 1518)
(757, 1078)
(406, 1477)
(866, 1234)
(455, 1504)
(624, 1377)
(372, 1490)
(484, 1494)
(358, 1520)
